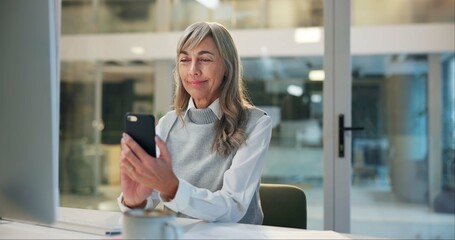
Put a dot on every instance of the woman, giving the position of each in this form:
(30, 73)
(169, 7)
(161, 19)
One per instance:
(212, 146)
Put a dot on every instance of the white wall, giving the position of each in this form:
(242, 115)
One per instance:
(423, 38)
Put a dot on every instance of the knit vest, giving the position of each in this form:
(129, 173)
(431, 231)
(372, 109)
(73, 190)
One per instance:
(190, 145)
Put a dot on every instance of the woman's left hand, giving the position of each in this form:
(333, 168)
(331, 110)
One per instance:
(155, 173)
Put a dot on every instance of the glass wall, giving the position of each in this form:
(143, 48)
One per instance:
(387, 12)
(441, 203)
(95, 93)
(399, 166)
(391, 160)
(121, 16)
(282, 86)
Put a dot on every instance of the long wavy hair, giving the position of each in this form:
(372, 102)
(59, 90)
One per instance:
(230, 129)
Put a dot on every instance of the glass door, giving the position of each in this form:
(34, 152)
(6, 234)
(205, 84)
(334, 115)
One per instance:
(400, 166)
(394, 174)
(401, 90)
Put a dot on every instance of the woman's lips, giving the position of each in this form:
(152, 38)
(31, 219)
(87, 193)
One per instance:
(196, 82)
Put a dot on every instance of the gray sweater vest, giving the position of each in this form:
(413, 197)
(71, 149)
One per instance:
(190, 145)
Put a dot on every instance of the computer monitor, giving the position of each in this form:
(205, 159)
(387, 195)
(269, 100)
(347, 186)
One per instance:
(29, 110)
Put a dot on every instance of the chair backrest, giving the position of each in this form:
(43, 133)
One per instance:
(283, 205)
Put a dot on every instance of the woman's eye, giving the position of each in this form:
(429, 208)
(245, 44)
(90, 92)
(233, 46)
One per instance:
(183, 60)
(205, 60)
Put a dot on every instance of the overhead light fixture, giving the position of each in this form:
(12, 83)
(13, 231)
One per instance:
(212, 4)
(316, 75)
(308, 35)
(138, 50)
(264, 50)
(316, 98)
(295, 90)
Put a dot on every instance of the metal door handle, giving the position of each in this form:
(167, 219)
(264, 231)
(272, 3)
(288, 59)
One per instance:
(341, 130)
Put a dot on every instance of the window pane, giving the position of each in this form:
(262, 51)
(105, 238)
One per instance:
(282, 87)
(386, 12)
(390, 161)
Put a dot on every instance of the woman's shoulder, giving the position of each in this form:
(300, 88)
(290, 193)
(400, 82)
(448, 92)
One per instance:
(170, 115)
(255, 114)
(165, 124)
(168, 118)
(257, 119)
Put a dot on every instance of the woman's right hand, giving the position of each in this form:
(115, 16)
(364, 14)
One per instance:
(134, 193)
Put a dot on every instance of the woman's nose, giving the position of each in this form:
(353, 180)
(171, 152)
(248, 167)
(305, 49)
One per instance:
(194, 68)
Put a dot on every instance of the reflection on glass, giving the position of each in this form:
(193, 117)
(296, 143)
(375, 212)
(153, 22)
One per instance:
(447, 194)
(390, 158)
(386, 12)
(115, 16)
(87, 168)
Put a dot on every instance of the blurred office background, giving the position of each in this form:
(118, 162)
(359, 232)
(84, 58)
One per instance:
(117, 56)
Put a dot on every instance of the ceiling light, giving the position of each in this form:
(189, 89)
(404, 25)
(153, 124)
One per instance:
(295, 90)
(316, 75)
(138, 50)
(212, 4)
(308, 35)
(264, 50)
(316, 98)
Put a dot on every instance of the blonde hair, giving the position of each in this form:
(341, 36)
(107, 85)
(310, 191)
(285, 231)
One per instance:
(230, 129)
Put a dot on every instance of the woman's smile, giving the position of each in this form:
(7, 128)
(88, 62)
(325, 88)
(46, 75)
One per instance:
(197, 83)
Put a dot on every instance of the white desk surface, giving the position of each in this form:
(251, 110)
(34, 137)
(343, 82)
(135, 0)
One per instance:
(92, 224)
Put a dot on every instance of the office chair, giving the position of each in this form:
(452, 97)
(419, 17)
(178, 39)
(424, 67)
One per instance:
(283, 205)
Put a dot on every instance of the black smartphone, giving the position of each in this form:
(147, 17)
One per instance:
(141, 127)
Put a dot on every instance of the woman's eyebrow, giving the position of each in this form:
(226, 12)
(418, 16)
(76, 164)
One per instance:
(202, 52)
(183, 52)
(205, 52)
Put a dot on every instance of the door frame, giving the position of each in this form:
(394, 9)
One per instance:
(337, 100)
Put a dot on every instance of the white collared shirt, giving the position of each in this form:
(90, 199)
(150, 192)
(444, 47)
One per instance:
(214, 106)
(245, 170)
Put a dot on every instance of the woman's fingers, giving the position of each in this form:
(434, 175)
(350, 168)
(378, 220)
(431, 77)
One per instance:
(137, 168)
(144, 169)
(135, 147)
(164, 152)
(128, 158)
(126, 167)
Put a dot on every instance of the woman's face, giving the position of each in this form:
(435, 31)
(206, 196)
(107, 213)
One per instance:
(201, 71)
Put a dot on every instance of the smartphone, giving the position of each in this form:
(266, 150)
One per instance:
(141, 127)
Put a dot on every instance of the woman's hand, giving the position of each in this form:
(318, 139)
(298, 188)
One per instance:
(134, 193)
(141, 173)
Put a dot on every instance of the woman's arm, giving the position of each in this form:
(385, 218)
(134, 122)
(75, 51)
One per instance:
(152, 202)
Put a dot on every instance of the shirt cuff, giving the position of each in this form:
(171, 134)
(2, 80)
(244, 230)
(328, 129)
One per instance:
(151, 202)
(181, 199)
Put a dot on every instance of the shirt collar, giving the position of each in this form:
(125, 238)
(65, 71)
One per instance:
(214, 106)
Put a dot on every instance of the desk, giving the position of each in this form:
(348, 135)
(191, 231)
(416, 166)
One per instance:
(91, 224)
